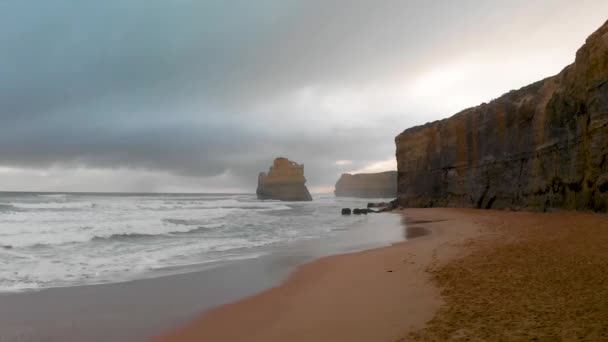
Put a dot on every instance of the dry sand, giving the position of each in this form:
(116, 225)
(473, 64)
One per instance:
(544, 279)
(479, 276)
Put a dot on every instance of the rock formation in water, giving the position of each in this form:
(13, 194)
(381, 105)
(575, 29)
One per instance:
(367, 185)
(285, 181)
(542, 146)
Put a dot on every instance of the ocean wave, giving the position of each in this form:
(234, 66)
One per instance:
(231, 204)
(182, 222)
(258, 207)
(50, 241)
(199, 229)
(8, 207)
(124, 237)
(192, 222)
(52, 195)
(29, 206)
(85, 237)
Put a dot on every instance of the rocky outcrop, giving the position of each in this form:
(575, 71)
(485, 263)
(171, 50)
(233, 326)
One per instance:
(367, 185)
(542, 146)
(285, 181)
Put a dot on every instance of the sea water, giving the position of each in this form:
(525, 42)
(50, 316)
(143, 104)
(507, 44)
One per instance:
(66, 239)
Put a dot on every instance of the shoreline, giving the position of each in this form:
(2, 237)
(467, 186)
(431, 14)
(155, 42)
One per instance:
(140, 309)
(440, 284)
(356, 296)
(480, 275)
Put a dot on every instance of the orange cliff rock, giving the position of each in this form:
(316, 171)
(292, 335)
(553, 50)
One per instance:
(285, 181)
(542, 146)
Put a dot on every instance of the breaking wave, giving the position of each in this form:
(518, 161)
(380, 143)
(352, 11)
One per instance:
(49, 240)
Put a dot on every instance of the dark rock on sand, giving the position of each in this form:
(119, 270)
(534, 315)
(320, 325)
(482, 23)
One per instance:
(362, 211)
(542, 146)
(382, 206)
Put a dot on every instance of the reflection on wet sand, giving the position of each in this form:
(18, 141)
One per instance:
(413, 230)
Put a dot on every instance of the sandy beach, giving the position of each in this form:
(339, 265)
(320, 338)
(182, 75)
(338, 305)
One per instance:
(539, 277)
(460, 274)
(376, 295)
(478, 275)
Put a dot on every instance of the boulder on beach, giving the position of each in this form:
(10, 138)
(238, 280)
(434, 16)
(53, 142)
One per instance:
(361, 211)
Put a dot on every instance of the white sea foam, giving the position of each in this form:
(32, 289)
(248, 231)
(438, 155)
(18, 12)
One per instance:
(51, 240)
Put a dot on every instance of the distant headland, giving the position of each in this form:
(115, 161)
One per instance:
(367, 185)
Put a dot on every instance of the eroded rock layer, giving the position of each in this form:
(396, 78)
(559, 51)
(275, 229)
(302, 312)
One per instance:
(367, 185)
(542, 146)
(284, 181)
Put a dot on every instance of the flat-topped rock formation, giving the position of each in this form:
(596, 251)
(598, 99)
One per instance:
(542, 146)
(284, 181)
(367, 185)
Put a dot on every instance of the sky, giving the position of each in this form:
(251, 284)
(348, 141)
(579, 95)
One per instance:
(201, 96)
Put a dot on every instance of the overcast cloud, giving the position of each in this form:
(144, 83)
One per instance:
(193, 95)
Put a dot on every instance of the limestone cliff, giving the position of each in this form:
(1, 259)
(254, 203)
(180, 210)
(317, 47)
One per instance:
(285, 181)
(367, 185)
(542, 146)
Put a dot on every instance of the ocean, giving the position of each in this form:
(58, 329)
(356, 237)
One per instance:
(50, 240)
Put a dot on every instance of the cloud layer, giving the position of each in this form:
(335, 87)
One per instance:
(192, 95)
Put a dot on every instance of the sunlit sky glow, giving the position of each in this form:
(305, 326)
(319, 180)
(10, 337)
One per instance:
(199, 96)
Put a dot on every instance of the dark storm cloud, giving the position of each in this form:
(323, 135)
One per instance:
(189, 86)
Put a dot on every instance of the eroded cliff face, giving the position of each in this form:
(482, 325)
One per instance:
(367, 185)
(542, 146)
(284, 181)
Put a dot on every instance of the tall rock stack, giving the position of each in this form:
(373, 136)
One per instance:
(542, 146)
(367, 185)
(284, 181)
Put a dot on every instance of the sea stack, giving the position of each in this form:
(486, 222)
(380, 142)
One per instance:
(367, 185)
(542, 146)
(284, 181)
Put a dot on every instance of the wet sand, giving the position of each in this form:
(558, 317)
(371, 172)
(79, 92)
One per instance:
(376, 295)
(479, 276)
